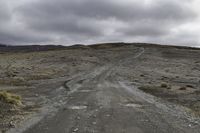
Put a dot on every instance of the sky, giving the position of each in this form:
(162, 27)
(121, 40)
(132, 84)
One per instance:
(66, 22)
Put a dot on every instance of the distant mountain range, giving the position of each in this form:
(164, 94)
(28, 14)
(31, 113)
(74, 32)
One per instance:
(3, 45)
(33, 48)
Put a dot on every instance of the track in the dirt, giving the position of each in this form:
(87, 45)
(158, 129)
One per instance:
(101, 102)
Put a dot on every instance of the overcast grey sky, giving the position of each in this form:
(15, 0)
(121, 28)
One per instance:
(94, 21)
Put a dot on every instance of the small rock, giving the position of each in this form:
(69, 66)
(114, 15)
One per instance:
(78, 118)
(94, 123)
(75, 130)
(108, 115)
(11, 124)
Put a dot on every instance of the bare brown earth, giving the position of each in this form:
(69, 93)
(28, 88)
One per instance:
(105, 88)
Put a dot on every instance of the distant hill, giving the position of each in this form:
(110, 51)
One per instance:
(29, 48)
(34, 48)
(3, 45)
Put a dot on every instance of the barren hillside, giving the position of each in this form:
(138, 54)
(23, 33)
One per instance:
(104, 88)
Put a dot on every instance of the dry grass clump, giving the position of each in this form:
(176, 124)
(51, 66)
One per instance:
(39, 76)
(47, 73)
(164, 85)
(149, 88)
(190, 86)
(194, 107)
(183, 88)
(10, 98)
(155, 88)
(17, 81)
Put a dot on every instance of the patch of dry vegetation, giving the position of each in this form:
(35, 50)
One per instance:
(149, 88)
(10, 110)
(182, 95)
(14, 81)
(10, 98)
(164, 85)
(39, 77)
(196, 108)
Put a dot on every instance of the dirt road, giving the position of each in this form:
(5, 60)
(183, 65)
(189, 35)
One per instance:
(100, 101)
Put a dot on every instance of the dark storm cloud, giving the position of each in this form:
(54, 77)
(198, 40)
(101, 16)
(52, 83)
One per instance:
(19, 38)
(145, 28)
(62, 24)
(104, 9)
(13, 33)
(82, 21)
(4, 13)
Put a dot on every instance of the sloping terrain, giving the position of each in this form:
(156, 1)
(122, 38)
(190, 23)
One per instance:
(107, 88)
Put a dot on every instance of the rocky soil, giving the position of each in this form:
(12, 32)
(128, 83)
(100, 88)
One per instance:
(101, 88)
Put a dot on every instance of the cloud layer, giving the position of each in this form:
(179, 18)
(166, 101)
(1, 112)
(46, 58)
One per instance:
(92, 21)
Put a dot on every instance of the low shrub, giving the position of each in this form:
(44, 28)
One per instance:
(10, 98)
(164, 85)
(182, 88)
